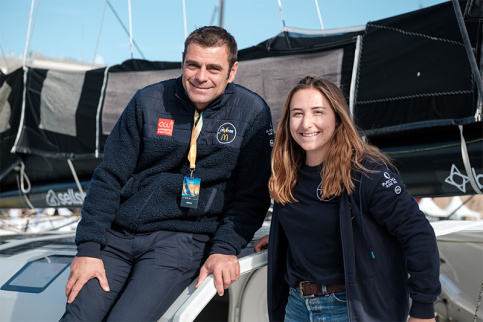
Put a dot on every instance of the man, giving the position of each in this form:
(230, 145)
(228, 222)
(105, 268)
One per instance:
(177, 189)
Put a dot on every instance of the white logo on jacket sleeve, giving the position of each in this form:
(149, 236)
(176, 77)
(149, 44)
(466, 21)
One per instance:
(397, 190)
(389, 182)
(226, 133)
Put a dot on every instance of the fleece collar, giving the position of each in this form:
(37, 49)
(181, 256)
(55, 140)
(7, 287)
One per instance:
(218, 103)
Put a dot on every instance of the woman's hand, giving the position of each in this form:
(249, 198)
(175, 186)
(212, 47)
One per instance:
(411, 319)
(262, 244)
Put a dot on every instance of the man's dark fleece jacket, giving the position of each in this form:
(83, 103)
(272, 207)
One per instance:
(138, 185)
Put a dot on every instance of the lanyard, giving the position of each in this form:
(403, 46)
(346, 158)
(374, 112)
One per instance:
(198, 124)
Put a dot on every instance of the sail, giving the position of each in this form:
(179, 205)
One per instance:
(407, 77)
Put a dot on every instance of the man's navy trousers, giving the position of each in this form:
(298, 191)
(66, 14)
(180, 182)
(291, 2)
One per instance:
(148, 271)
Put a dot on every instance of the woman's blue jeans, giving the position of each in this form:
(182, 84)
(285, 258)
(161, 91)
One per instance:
(331, 308)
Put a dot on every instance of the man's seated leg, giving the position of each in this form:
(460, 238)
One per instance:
(166, 263)
(92, 303)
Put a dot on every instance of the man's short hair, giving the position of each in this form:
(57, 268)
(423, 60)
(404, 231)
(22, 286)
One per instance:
(213, 36)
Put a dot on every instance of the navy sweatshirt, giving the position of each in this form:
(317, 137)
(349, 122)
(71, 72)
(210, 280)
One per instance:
(314, 220)
(138, 185)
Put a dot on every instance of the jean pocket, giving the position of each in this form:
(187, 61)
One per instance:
(339, 296)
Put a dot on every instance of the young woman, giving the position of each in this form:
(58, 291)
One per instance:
(347, 241)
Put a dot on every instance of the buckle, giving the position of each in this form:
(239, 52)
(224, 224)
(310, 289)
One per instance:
(302, 295)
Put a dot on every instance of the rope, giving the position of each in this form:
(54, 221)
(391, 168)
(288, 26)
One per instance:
(320, 17)
(99, 35)
(124, 27)
(23, 178)
(27, 41)
(432, 148)
(281, 12)
(184, 20)
(478, 303)
(460, 206)
(74, 174)
(99, 109)
(130, 28)
(355, 74)
(415, 34)
(20, 182)
(466, 161)
(414, 96)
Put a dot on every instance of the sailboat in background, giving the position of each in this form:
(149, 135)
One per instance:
(410, 82)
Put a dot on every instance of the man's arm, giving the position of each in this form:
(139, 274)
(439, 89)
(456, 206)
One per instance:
(102, 200)
(248, 208)
(119, 162)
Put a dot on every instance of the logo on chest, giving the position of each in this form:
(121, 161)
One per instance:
(165, 127)
(226, 133)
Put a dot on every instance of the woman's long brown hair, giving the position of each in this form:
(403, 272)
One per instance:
(346, 152)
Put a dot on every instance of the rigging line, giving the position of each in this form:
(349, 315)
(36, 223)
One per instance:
(99, 35)
(27, 41)
(130, 28)
(416, 34)
(221, 13)
(184, 20)
(4, 57)
(466, 162)
(22, 113)
(432, 148)
(381, 100)
(355, 74)
(212, 20)
(99, 109)
(320, 17)
(470, 54)
(21, 179)
(124, 27)
(478, 302)
(35, 22)
(281, 12)
(458, 208)
(74, 174)
(287, 39)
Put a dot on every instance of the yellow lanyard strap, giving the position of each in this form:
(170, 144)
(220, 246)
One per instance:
(194, 136)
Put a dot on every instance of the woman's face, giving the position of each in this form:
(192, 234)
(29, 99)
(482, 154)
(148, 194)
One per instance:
(312, 123)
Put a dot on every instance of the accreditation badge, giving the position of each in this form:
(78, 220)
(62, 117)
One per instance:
(191, 192)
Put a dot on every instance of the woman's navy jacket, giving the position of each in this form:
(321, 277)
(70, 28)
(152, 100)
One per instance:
(389, 250)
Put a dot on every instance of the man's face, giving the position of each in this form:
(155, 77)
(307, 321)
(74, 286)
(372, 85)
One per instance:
(206, 73)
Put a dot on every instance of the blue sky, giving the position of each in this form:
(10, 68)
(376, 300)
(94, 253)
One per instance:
(88, 30)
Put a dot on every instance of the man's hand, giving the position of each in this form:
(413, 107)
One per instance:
(83, 269)
(225, 270)
(411, 319)
(262, 244)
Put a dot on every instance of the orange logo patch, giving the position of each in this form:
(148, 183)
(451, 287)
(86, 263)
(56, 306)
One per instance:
(165, 127)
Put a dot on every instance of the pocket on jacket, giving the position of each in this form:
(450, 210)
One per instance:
(376, 296)
(210, 200)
